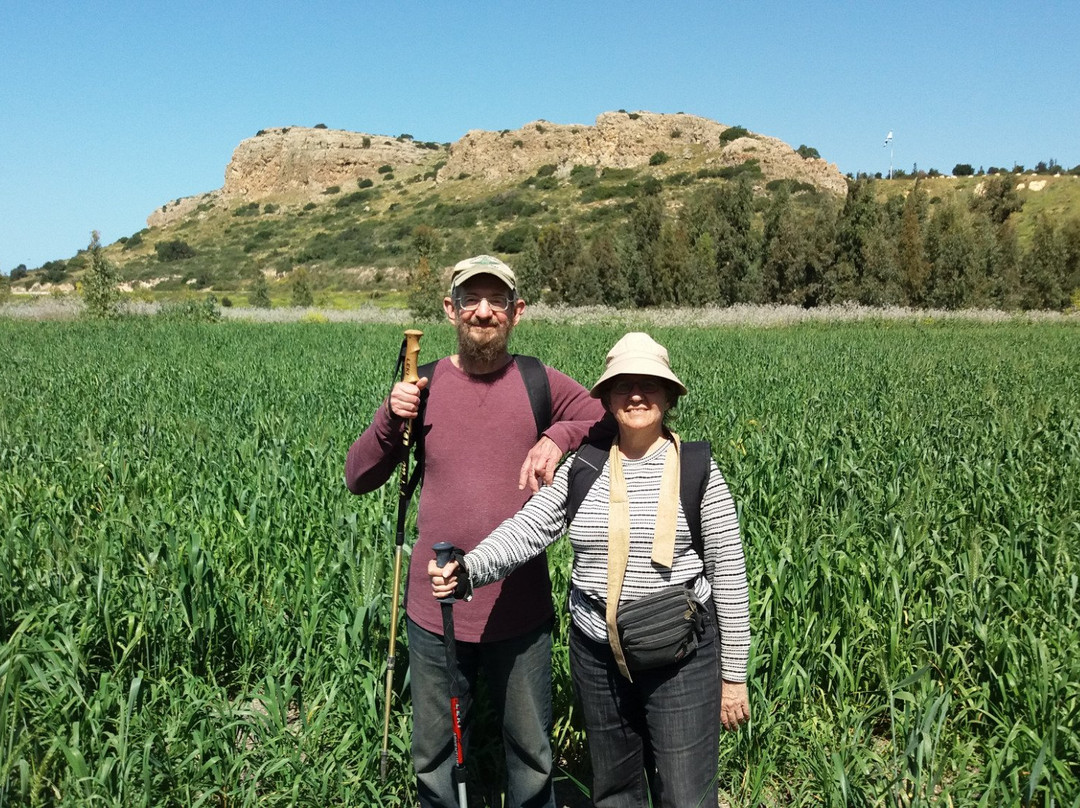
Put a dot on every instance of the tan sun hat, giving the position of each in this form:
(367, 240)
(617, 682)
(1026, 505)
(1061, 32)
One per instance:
(482, 265)
(637, 354)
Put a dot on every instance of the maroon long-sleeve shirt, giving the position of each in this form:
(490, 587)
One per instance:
(478, 430)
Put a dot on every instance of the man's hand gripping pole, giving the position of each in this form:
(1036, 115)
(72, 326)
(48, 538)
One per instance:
(410, 351)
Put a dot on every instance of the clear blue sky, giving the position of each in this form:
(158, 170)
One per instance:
(110, 109)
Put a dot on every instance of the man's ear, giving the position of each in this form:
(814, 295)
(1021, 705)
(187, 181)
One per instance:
(451, 312)
(519, 309)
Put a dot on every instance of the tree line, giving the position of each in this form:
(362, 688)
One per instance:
(725, 247)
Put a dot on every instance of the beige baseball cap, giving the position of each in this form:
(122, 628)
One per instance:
(637, 354)
(482, 265)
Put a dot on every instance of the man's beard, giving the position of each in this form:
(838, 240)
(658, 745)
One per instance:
(490, 346)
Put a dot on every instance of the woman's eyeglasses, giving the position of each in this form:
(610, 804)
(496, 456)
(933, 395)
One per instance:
(624, 387)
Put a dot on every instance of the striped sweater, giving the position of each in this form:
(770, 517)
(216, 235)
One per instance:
(542, 520)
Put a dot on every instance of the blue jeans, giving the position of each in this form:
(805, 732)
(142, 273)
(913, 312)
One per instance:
(658, 735)
(518, 673)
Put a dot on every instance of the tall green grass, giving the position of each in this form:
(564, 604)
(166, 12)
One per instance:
(193, 610)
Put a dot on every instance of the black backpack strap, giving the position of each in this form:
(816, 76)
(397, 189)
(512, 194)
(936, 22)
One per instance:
(585, 469)
(696, 464)
(534, 374)
(695, 459)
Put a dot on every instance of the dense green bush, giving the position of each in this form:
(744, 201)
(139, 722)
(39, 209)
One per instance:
(583, 176)
(354, 198)
(659, 158)
(733, 133)
(333, 189)
(513, 239)
(808, 152)
(54, 271)
(175, 250)
(365, 182)
(250, 209)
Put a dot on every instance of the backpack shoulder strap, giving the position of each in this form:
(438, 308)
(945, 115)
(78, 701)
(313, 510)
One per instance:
(584, 470)
(695, 465)
(533, 374)
(535, 377)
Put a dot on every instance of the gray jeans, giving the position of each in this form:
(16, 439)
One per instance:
(518, 674)
(654, 741)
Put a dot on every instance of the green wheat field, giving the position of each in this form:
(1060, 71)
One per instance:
(194, 611)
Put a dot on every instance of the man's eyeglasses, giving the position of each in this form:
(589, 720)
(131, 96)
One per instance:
(624, 387)
(496, 302)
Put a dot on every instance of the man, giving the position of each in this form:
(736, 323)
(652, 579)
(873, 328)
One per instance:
(478, 425)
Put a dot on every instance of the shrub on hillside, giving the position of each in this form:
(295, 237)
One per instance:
(583, 176)
(366, 182)
(733, 133)
(54, 271)
(659, 158)
(808, 153)
(513, 239)
(175, 250)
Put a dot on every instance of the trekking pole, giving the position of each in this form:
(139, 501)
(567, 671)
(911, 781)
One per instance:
(442, 558)
(410, 350)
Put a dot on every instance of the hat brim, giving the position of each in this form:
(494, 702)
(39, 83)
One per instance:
(637, 365)
(472, 272)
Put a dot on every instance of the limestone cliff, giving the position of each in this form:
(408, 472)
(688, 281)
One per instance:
(625, 140)
(303, 162)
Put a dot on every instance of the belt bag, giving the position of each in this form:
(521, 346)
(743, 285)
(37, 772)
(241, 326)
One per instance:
(660, 629)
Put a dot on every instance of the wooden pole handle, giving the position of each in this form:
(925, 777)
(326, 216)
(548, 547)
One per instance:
(412, 352)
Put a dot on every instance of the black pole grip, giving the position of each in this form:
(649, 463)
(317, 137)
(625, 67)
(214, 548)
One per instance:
(443, 549)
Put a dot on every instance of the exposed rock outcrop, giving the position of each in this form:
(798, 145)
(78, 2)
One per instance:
(625, 140)
(298, 161)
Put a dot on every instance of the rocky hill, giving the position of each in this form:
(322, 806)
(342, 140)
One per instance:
(298, 162)
(629, 140)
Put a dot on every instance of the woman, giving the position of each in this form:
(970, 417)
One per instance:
(652, 731)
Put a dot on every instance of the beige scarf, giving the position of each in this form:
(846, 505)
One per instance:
(663, 548)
